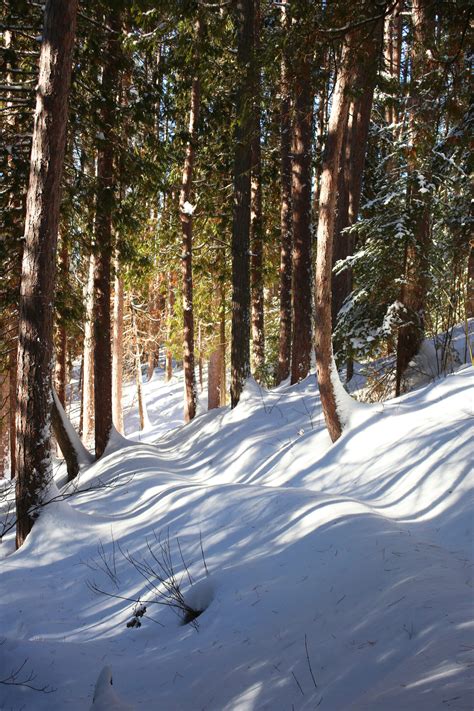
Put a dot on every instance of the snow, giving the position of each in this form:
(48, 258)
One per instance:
(331, 576)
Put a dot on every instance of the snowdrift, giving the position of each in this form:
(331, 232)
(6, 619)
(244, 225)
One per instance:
(327, 576)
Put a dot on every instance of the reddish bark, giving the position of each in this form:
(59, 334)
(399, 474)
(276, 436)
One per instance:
(35, 348)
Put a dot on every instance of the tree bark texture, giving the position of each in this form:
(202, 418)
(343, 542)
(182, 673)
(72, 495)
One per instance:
(35, 347)
(138, 370)
(4, 422)
(351, 170)
(326, 223)
(301, 202)
(61, 353)
(62, 438)
(240, 346)
(256, 217)
(104, 244)
(169, 317)
(117, 351)
(186, 217)
(13, 381)
(422, 120)
(286, 234)
(88, 358)
(214, 379)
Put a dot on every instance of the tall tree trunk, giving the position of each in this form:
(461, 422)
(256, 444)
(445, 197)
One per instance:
(422, 122)
(470, 282)
(4, 422)
(240, 346)
(214, 379)
(103, 238)
(13, 382)
(301, 202)
(351, 171)
(117, 351)
(222, 348)
(61, 355)
(88, 358)
(326, 223)
(186, 217)
(169, 317)
(138, 371)
(200, 358)
(286, 235)
(35, 347)
(256, 218)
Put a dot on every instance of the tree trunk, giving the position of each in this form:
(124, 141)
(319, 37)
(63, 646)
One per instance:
(240, 347)
(13, 382)
(351, 171)
(286, 236)
(4, 422)
(256, 220)
(422, 122)
(214, 379)
(301, 201)
(200, 358)
(88, 359)
(470, 282)
(327, 205)
(186, 217)
(35, 348)
(169, 316)
(61, 356)
(103, 238)
(117, 352)
(63, 439)
(74, 452)
(222, 348)
(138, 372)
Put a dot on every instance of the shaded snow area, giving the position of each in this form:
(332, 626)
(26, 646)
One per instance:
(326, 576)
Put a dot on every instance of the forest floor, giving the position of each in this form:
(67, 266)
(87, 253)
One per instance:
(330, 576)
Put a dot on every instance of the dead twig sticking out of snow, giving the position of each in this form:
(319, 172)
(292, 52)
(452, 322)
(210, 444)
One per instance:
(15, 679)
(309, 662)
(202, 553)
(297, 682)
(10, 523)
(161, 581)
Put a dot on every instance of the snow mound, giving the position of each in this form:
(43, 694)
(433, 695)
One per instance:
(336, 576)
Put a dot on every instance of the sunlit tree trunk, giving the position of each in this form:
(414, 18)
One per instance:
(61, 353)
(138, 371)
(88, 358)
(35, 347)
(327, 206)
(169, 317)
(4, 422)
(117, 351)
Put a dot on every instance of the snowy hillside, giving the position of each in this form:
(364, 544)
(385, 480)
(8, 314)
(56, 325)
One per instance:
(333, 577)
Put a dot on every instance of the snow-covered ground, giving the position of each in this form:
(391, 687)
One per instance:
(338, 576)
